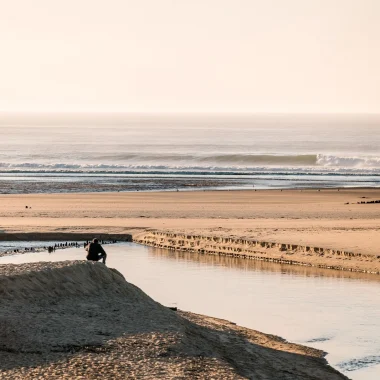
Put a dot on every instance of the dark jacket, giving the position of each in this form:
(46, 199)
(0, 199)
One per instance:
(94, 249)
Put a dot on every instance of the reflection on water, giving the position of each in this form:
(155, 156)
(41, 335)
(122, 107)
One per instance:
(335, 311)
(262, 266)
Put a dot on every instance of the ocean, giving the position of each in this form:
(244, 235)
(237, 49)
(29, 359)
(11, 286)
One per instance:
(128, 153)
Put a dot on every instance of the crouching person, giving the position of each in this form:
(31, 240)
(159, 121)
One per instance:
(95, 251)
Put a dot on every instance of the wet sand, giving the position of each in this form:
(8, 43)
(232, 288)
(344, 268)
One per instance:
(57, 184)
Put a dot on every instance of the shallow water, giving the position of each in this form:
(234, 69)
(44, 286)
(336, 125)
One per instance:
(334, 311)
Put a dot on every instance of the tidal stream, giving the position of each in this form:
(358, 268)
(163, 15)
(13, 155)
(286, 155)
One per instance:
(337, 312)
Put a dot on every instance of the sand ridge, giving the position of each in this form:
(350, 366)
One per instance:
(292, 254)
(83, 320)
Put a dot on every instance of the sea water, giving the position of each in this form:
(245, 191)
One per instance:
(165, 153)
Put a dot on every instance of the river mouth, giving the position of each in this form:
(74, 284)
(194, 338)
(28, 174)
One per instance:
(337, 312)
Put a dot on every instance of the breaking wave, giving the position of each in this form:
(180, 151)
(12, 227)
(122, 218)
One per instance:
(211, 162)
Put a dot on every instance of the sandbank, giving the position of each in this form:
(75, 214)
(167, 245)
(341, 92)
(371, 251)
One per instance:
(335, 228)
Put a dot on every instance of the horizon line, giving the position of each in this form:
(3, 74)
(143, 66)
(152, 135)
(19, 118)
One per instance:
(187, 113)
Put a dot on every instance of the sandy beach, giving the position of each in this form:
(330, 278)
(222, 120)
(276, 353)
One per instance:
(327, 228)
(331, 220)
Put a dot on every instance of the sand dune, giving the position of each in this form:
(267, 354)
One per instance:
(70, 319)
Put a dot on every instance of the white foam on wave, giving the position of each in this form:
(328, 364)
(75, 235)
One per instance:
(228, 162)
(348, 161)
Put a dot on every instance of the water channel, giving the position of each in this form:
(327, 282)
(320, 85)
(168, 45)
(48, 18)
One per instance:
(338, 312)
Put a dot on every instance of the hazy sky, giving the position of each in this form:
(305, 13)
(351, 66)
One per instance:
(190, 55)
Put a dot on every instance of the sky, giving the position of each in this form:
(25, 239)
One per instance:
(264, 56)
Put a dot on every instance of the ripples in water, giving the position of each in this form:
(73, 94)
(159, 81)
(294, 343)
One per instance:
(355, 364)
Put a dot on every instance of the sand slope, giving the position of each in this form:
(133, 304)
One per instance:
(293, 254)
(72, 319)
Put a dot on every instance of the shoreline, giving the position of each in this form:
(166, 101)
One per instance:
(114, 189)
(148, 339)
(115, 182)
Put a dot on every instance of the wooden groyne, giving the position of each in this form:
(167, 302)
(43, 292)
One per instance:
(63, 236)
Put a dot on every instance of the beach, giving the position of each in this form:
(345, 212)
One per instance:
(326, 228)
(328, 219)
(190, 190)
